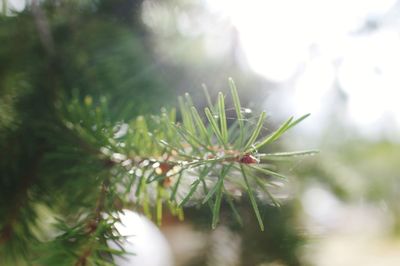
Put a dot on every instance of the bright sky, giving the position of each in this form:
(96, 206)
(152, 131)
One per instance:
(15, 5)
(311, 45)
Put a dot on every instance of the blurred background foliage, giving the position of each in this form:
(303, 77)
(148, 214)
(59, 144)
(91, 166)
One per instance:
(138, 56)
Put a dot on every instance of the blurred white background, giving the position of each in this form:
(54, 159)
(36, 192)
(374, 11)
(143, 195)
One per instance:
(328, 57)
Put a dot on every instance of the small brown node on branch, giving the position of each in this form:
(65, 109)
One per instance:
(164, 167)
(248, 159)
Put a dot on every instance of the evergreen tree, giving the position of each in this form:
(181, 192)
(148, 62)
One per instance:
(77, 151)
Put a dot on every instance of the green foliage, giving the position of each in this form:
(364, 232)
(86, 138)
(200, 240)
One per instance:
(75, 153)
(98, 168)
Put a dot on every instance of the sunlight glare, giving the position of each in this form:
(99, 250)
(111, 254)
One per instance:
(280, 38)
(369, 76)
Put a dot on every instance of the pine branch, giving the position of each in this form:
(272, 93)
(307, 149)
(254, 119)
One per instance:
(93, 223)
(158, 150)
(149, 164)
